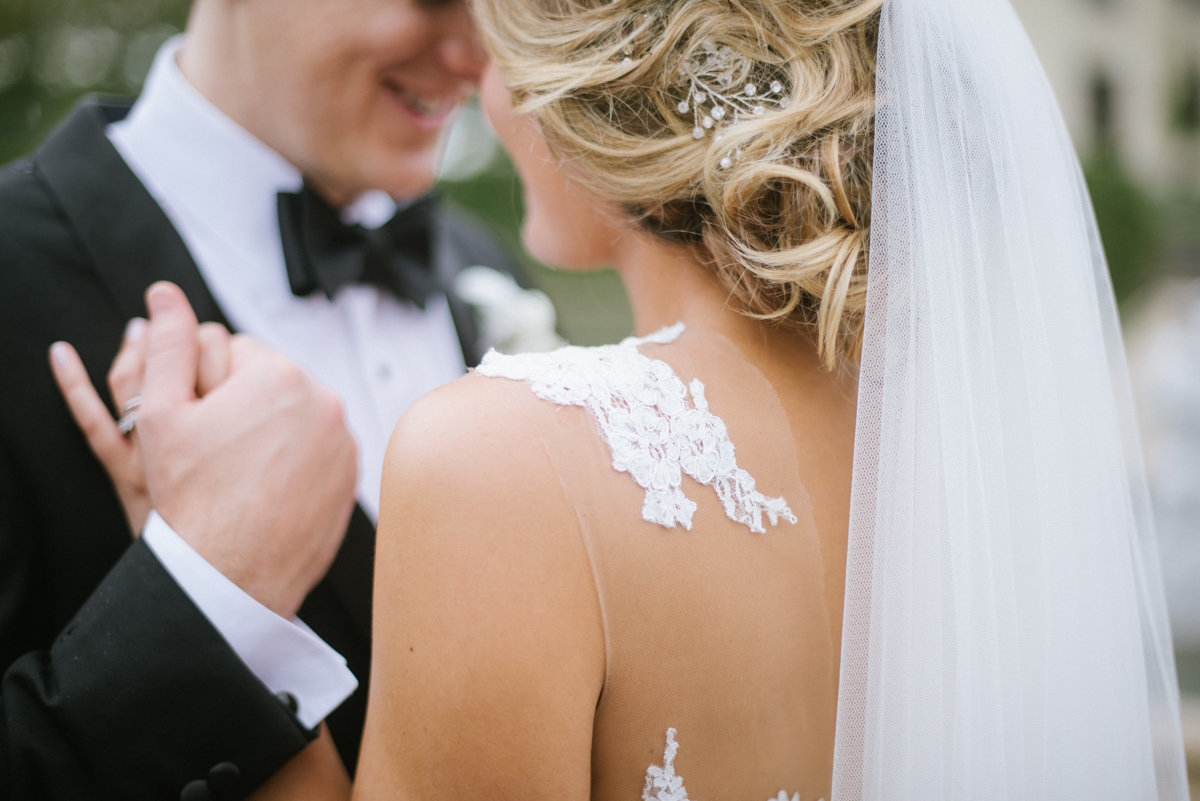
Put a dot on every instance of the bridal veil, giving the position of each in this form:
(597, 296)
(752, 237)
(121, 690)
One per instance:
(1005, 633)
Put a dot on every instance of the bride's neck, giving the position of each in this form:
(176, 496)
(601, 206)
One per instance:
(667, 284)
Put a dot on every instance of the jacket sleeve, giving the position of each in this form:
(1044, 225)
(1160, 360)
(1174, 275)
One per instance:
(137, 698)
(113, 686)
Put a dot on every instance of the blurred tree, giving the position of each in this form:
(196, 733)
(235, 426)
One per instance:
(54, 51)
(1128, 220)
(1185, 108)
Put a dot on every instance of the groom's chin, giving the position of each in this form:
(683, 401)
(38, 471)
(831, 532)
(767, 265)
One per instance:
(400, 171)
(404, 161)
(406, 175)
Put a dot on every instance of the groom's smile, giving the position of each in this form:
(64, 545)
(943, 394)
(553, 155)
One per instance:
(354, 93)
(427, 109)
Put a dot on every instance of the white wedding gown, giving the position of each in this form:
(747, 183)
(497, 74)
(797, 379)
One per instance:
(716, 533)
(1006, 631)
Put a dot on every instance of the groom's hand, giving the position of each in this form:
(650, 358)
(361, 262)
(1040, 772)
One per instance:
(258, 475)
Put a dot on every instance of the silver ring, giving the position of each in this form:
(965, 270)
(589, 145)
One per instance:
(129, 413)
(127, 423)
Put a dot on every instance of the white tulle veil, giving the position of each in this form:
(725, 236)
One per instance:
(1005, 633)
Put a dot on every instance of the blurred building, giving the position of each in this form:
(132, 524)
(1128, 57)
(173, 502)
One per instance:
(1127, 74)
(1162, 337)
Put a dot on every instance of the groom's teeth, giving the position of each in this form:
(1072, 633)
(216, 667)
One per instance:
(426, 107)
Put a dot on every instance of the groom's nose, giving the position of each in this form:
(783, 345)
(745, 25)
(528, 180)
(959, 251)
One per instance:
(460, 51)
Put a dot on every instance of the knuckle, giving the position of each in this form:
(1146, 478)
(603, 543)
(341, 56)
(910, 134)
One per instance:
(166, 339)
(119, 375)
(333, 417)
(287, 376)
(152, 413)
(332, 406)
(213, 331)
(241, 344)
(214, 338)
(208, 338)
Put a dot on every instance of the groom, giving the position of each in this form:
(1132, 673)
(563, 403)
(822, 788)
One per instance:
(132, 668)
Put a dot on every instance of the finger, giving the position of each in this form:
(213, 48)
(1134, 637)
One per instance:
(259, 375)
(216, 357)
(90, 413)
(125, 375)
(247, 354)
(172, 348)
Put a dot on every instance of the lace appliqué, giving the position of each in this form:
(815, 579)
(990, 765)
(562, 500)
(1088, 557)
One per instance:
(641, 408)
(663, 784)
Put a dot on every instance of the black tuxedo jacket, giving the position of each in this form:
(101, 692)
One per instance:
(115, 685)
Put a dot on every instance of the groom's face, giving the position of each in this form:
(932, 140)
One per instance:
(356, 93)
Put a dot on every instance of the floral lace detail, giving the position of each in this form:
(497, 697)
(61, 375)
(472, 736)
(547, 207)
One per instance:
(641, 408)
(663, 784)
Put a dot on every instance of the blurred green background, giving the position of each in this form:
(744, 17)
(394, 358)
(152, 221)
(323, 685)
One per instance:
(54, 51)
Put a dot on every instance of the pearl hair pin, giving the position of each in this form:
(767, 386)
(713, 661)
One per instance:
(719, 91)
(715, 96)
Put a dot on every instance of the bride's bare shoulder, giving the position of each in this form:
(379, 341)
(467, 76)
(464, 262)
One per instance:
(485, 616)
(472, 426)
(471, 452)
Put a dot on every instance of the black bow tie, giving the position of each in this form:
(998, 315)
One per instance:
(323, 253)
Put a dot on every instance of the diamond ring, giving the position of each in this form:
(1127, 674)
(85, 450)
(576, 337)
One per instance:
(129, 415)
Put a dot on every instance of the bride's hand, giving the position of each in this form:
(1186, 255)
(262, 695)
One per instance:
(118, 453)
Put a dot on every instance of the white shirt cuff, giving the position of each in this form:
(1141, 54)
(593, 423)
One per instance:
(287, 656)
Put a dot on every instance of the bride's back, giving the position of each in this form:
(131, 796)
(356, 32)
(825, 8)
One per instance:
(719, 640)
(720, 155)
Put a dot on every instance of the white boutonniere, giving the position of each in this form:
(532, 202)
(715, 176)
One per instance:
(510, 319)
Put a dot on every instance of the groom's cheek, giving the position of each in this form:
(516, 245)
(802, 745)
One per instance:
(358, 93)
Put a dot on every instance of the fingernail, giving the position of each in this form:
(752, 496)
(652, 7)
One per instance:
(60, 354)
(135, 330)
(158, 299)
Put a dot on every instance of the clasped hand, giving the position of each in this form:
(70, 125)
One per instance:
(242, 453)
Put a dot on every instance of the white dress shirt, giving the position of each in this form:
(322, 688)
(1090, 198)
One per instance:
(218, 184)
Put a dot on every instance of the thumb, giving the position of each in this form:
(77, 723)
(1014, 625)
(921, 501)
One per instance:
(172, 347)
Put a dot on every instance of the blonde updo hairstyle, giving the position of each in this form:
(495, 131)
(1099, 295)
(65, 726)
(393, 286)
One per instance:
(777, 203)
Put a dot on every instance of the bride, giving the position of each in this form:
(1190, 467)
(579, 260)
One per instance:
(857, 515)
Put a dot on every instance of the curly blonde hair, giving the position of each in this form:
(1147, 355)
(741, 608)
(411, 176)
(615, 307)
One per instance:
(778, 204)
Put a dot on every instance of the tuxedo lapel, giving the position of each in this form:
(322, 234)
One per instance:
(132, 244)
(459, 242)
(129, 238)
(464, 318)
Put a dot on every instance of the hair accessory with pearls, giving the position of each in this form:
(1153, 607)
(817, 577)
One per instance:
(716, 94)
